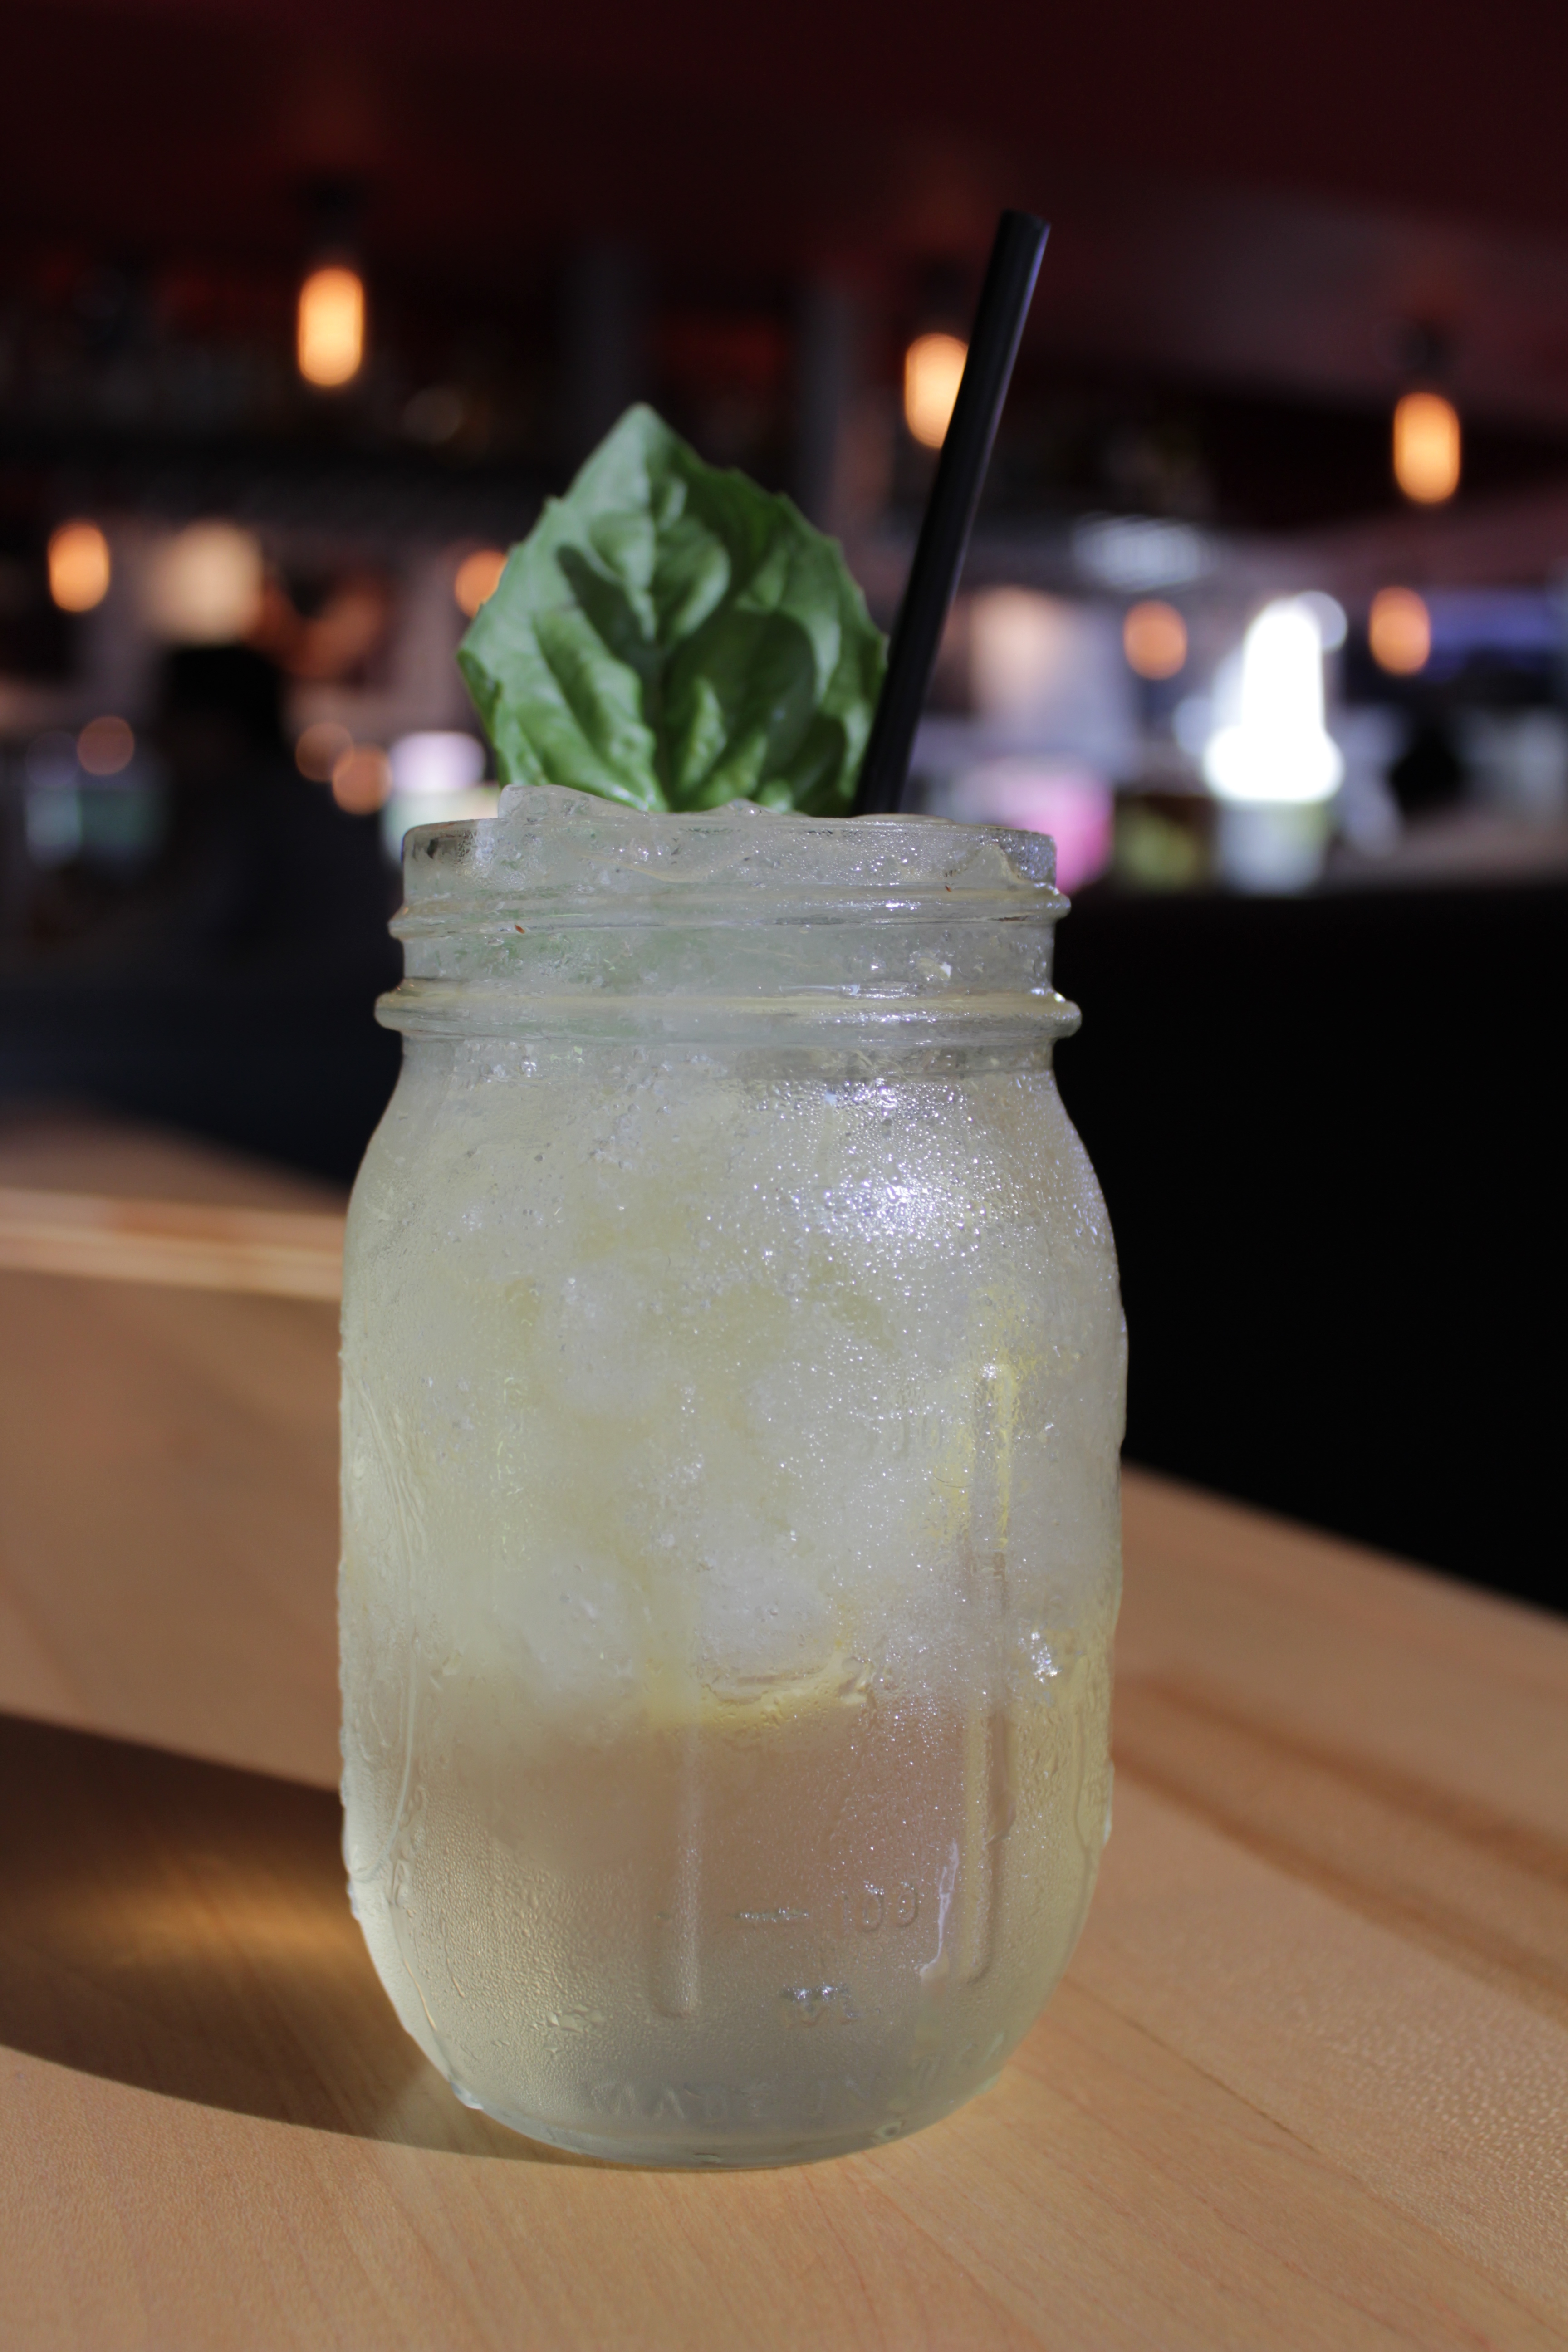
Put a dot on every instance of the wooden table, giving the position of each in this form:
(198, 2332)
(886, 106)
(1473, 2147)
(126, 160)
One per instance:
(1306, 2082)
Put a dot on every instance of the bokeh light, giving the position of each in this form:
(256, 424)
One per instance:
(1427, 448)
(1154, 639)
(1330, 615)
(79, 568)
(362, 779)
(1021, 646)
(320, 748)
(934, 370)
(479, 577)
(206, 585)
(1278, 749)
(435, 760)
(1040, 794)
(330, 341)
(1399, 632)
(105, 746)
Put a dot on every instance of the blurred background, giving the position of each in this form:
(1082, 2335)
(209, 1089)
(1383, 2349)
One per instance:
(303, 309)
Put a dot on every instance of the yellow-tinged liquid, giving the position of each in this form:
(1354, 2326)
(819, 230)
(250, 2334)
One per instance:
(786, 1926)
(731, 1558)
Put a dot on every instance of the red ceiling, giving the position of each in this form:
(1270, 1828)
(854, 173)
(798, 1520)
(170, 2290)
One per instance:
(1242, 190)
(485, 128)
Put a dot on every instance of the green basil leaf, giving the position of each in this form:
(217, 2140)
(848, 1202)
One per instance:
(672, 637)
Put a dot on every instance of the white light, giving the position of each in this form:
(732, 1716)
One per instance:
(436, 779)
(206, 585)
(436, 762)
(1131, 553)
(1330, 616)
(1279, 749)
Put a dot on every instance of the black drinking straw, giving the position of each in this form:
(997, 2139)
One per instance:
(949, 511)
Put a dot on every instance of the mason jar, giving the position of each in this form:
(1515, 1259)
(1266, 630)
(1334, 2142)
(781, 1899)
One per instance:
(733, 1388)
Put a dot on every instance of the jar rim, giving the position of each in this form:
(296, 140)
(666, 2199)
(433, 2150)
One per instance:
(592, 861)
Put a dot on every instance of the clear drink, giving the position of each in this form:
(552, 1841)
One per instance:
(758, 1924)
(732, 1390)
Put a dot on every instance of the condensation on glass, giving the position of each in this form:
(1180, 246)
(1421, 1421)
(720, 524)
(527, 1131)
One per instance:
(733, 1388)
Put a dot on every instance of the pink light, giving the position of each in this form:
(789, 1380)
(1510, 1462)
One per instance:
(1075, 806)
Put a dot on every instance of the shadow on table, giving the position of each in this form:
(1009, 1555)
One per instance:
(182, 1928)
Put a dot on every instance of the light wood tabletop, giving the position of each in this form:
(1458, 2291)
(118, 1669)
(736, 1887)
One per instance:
(1306, 2082)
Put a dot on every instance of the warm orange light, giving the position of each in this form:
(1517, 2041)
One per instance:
(362, 779)
(933, 369)
(479, 577)
(1399, 631)
(105, 746)
(332, 326)
(78, 566)
(320, 748)
(1427, 448)
(1154, 639)
(206, 584)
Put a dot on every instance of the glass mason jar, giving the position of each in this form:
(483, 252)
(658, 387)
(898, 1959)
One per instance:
(732, 1390)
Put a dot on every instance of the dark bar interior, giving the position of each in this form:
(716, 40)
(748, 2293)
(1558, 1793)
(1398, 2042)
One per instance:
(1318, 1072)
